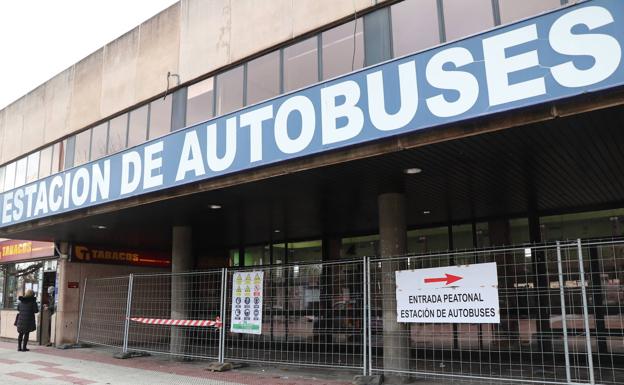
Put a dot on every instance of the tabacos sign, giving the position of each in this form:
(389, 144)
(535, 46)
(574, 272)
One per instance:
(19, 250)
(93, 254)
(557, 55)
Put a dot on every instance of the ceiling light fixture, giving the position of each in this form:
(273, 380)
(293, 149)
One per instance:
(426, 212)
(412, 171)
(277, 231)
(215, 207)
(99, 227)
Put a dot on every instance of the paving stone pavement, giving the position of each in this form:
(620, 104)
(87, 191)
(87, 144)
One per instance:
(50, 366)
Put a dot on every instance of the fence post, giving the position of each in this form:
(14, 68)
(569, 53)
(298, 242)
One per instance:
(590, 359)
(84, 291)
(222, 311)
(370, 322)
(365, 318)
(563, 315)
(128, 308)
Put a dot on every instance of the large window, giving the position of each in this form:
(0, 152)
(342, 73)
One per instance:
(117, 133)
(45, 161)
(594, 224)
(427, 240)
(160, 117)
(32, 170)
(2, 171)
(463, 18)
(230, 91)
(309, 251)
(21, 277)
(137, 126)
(343, 49)
(512, 10)
(99, 137)
(199, 103)
(57, 157)
(82, 148)
(414, 26)
(301, 64)
(20, 172)
(9, 176)
(263, 78)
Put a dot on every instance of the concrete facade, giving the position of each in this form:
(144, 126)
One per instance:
(190, 38)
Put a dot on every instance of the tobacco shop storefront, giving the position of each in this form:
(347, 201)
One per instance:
(27, 265)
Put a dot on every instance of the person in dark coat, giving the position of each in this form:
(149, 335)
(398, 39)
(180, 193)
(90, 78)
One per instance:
(25, 322)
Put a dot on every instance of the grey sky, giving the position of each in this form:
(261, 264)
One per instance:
(40, 38)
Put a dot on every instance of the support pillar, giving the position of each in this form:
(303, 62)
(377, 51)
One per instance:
(392, 242)
(542, 281)
(68, 309)
(500, 235)
(181, 261)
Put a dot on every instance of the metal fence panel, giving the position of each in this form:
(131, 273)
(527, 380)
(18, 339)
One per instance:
(160, 299)
(561, 319)
(560, 309)
(313, 315)
(103, 311)
(603, 265)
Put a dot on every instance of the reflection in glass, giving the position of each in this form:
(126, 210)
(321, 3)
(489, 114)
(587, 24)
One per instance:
(414, 26)
(427, 240)
(512, 10)
(519, 229)
(137, 126)
(9, 176)
(45, 161)
(301, 64)
(32, 169)
(463, 18)
(199, 101)
(160, 117)
(68, 153)
(309, 251)
(356, 247)
(82, 147)
(263, 78)
(462, 237)
(20, 172)
(257, 255)
(339, 44)
(592, 224)
(22, 277)
(98, 141)
(229, 90)
(117, 133)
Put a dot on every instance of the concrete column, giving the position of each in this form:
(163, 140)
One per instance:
(68, 309)
(392, 242)
(500, 235)
(181, 260)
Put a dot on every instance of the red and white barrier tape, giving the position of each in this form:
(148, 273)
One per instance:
(179, 322)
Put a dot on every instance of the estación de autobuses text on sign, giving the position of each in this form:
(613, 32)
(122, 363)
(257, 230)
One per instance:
(571, 51)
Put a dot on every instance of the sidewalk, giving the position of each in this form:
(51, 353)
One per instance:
(46, 365)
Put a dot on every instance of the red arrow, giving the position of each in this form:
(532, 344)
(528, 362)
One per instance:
(450, 278)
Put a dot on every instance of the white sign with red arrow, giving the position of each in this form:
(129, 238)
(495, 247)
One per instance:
(453, 294)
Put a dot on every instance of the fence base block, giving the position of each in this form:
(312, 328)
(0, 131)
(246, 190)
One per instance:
(368, 380)
(126, 355)
(220, 366)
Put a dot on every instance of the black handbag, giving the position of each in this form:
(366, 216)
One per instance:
(16, 318)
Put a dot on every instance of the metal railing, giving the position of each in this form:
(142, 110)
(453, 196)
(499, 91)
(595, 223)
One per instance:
(560, 309)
